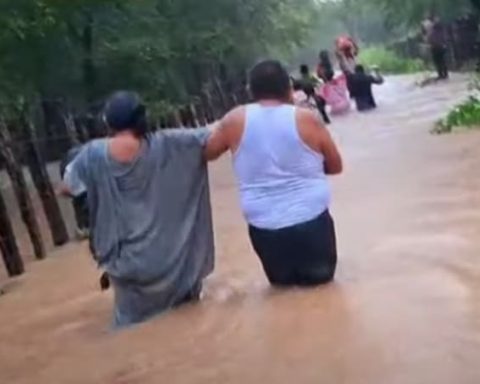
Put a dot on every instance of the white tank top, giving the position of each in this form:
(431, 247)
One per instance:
(282, 181)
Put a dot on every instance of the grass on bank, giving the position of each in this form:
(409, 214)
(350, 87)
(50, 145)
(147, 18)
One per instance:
(464, 116)
(389, 62)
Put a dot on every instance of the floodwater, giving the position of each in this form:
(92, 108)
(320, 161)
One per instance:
(405, 307)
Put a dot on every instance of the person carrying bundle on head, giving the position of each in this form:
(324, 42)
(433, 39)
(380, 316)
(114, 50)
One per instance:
(346, 50)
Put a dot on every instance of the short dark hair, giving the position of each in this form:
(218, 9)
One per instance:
(124, 110)
(304, 70)
(269, 80)
(359, 68)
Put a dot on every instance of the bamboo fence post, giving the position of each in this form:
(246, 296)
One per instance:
(14, 169)
(8, 244)
(43, 185)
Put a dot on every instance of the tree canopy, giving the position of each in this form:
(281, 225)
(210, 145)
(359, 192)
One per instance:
(166, 49)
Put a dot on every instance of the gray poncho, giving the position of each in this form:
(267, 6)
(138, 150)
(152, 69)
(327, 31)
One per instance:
(151, 220)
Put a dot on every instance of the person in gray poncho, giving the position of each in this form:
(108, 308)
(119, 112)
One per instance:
(150, 214)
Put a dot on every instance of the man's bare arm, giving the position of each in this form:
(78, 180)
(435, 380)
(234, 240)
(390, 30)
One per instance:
(318, 138)
(225, 134)
(217, 143)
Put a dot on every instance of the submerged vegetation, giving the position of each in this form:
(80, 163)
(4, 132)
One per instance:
(463, 117)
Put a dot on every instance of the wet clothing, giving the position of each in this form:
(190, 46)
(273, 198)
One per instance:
(304, 254)
(439, 57)
(360, 85)
(436, 35)
(309, 85)
(283, 187)
(321, 107)
(335, 93)
(282, 181)
(436, 38)
(324, 67)
(151, 220)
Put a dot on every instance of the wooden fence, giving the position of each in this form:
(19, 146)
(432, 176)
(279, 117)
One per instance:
(25, 144)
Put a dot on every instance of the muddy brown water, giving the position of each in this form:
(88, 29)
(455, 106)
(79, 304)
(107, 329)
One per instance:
(404, 309)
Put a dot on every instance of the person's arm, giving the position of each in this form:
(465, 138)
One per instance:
(377, 78)
(318, 138)
(219, 141)
(73, 183)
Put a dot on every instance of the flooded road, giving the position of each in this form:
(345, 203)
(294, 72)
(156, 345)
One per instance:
(405, 308)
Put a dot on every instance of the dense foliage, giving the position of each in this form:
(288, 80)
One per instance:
(411, 12)
(169, 50)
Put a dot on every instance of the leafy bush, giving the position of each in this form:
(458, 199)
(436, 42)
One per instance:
(389, 62)
(464, 116)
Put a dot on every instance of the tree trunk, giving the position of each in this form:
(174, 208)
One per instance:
(8, 245)
(221, 96)
(177, 119)
(89, 75)
(20, 187)
(43, 185)
(208, 106)
(193, 115)
(476, 4)
(70, 129)
(234, 99)
(82, 130)
(200, 114)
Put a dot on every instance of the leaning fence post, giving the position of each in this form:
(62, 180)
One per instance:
(221, 95)
(14, 169)
(200, 114)
(8, 244)
(193, 113)
(234, 99)
(43, 185)
(70, 129)
(177, 119)
(208, 106)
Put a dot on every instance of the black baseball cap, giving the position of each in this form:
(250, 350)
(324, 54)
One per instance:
(124, 110)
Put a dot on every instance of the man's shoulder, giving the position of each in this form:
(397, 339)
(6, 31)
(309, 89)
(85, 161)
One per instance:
(305, 115)
(236, 112)
(180, 138)
(234, 118)
(93, 148)
(94, 144)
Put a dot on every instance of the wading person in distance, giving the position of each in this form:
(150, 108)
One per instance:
(310, 85)
(435, 36)
(361, 84)
(281, 157)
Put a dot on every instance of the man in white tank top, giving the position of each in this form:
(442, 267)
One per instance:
(282, 155)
